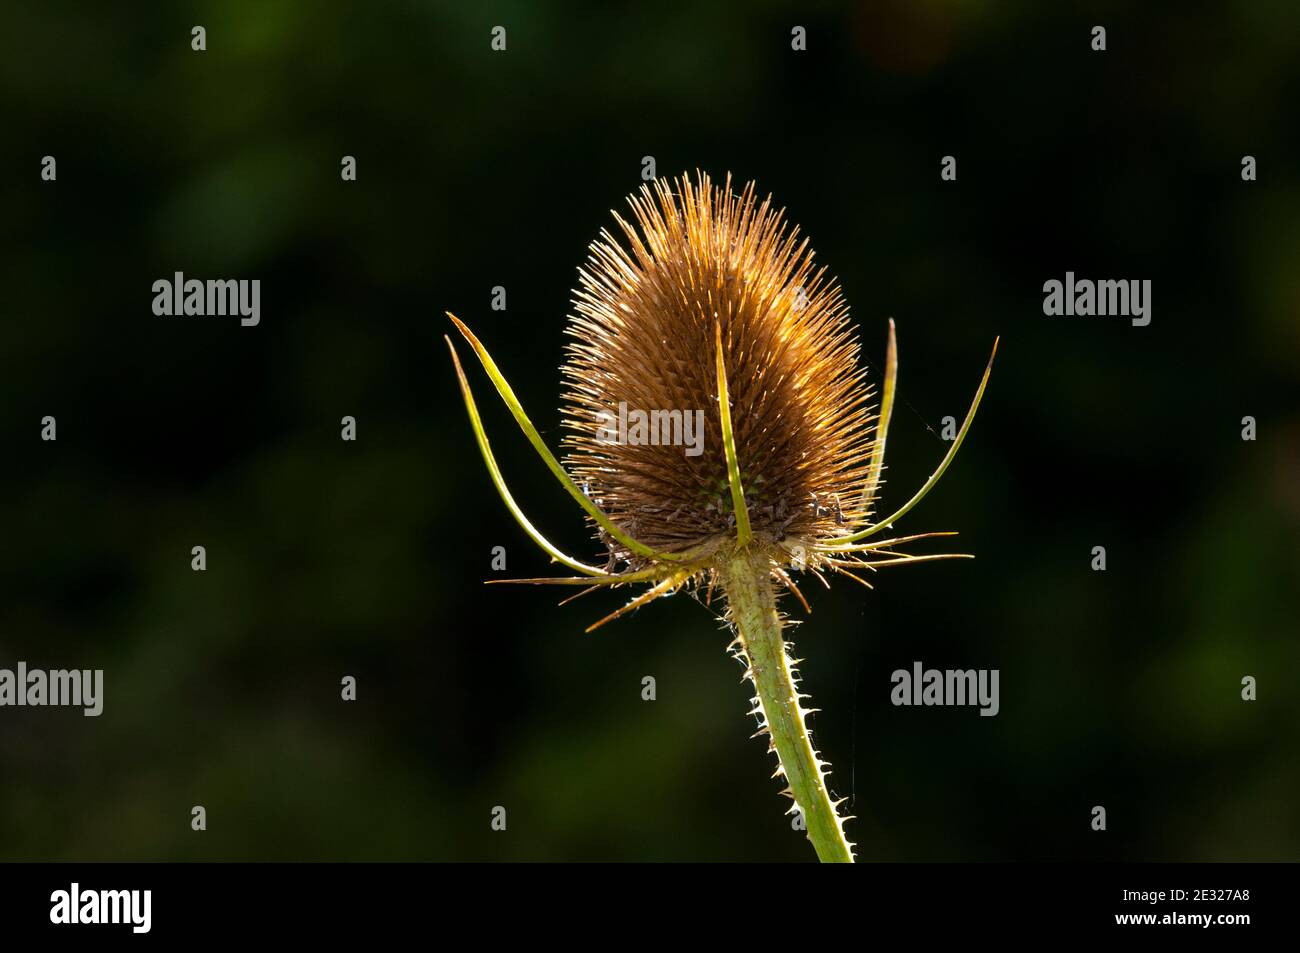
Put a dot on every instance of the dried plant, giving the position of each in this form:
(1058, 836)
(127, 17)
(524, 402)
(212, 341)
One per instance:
(713, 303)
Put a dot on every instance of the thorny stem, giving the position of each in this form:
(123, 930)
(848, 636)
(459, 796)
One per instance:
(747, 582)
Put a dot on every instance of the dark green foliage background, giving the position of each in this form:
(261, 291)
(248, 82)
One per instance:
(479, 169)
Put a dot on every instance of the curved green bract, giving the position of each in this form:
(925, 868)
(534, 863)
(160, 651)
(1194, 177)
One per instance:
(934, 477)
(882, 426)
(743, 531)
(481, 436)
(508, 395)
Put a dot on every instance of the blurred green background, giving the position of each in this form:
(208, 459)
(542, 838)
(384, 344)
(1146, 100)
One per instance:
(478, 169)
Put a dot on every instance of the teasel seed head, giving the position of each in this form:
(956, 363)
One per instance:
(711, 306)
(697, 257)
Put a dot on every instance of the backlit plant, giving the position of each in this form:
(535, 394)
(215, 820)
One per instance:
(714, 303)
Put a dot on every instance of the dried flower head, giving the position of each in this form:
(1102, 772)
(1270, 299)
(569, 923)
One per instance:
(755, 446)
(646, 316)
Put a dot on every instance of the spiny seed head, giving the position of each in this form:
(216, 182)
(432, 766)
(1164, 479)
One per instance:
(712, 312)
(643, 339)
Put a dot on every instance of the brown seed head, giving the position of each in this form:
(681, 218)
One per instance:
(643, 337)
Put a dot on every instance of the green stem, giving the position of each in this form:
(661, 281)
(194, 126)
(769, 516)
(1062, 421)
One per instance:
(746, 579)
